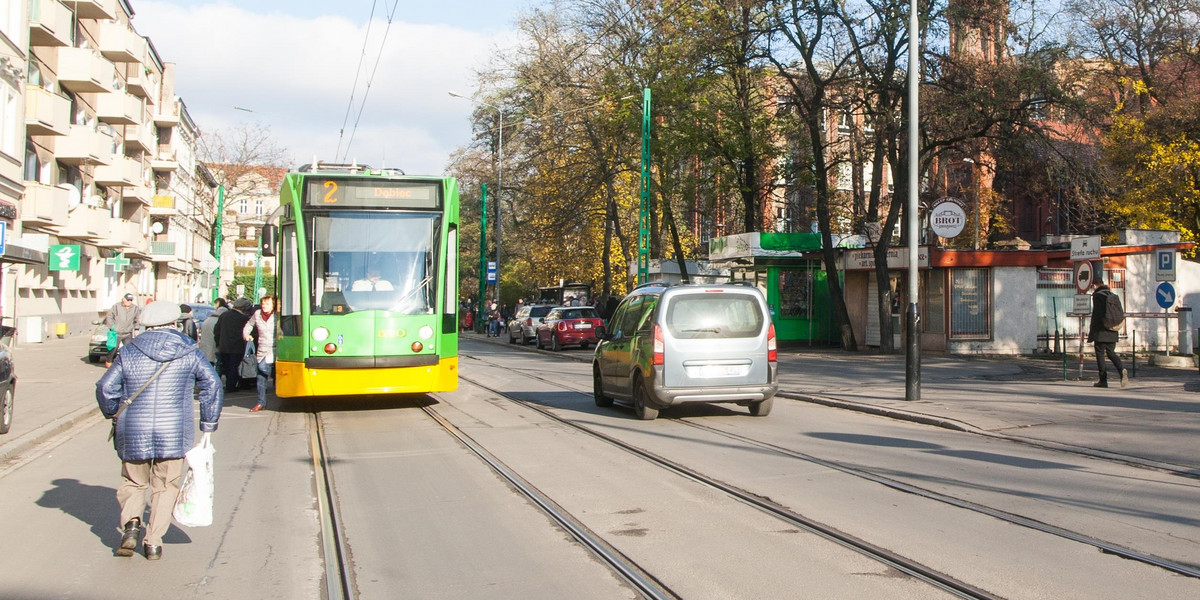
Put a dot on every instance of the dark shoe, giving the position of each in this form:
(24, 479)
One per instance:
(129, 537)
(1100, 384)
(258, 407)
(1124, 377)
(152, 552)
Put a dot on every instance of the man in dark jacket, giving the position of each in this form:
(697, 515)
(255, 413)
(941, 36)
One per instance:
(1105, 339)
(155, 430)
(230, 345)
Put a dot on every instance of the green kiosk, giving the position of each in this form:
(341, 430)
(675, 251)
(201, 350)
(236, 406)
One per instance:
(787, 268)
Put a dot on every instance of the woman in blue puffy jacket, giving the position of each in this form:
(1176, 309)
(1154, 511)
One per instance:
(155, 430)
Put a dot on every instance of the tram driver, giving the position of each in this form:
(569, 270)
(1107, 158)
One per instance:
(373, 282)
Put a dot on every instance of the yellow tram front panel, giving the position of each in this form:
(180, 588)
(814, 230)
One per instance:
(292, 379)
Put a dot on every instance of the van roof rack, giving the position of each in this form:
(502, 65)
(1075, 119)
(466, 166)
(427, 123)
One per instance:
(653, 284)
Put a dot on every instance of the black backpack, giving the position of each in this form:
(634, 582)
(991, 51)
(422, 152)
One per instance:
(1114, 313)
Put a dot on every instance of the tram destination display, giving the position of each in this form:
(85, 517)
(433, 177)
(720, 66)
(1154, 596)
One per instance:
(370, 193)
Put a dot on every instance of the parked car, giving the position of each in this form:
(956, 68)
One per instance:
(668, 345)
(569, 326)
(523, 326)
(8, 378)
(200, 312)
(98, 345)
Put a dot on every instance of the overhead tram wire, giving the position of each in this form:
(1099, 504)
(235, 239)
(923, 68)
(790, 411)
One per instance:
(357, 73)
(371, 79)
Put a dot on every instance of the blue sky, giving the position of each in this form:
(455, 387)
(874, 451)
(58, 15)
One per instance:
(293, 63)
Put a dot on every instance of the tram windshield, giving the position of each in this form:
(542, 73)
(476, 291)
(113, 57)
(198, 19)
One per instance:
(374, 261)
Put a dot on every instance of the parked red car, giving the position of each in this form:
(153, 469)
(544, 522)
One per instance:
(568, 326)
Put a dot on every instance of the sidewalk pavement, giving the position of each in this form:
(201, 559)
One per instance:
(1154, 422)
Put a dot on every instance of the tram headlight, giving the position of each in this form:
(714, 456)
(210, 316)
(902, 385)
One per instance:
(320, 334)
(425, 332)
(417, 346)
(330, 348)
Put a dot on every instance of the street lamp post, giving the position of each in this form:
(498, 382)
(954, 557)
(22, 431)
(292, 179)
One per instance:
(499, 180)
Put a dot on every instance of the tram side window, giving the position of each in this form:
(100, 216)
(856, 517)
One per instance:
(289, 282)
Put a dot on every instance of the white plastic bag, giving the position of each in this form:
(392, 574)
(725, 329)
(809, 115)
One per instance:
(194, 507)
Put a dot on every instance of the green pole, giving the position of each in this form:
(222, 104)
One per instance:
(258, 278)
(644, 213)
(218, 238)
(482, 258)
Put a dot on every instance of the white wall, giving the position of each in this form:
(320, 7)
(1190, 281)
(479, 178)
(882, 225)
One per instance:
(1014, 315)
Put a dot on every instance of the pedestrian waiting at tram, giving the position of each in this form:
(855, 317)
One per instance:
(208, 337)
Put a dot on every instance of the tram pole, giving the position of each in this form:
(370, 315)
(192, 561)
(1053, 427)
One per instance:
(218, 238)
(482, 259)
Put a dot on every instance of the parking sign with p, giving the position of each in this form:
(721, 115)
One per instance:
(1164, 265)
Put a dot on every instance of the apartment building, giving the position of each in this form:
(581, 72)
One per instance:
(108, 183)
(252, 194)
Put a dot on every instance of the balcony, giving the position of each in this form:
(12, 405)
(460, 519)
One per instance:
(119, 108)
(138, 191)
(87, 223)
(121, 44)
(143, 83)
(162, 251)
(45, 205)
(84, 146)
(167, 114)
(133, 240)
(46, 113)
(140, 137)
(123, 171)
(165, 160)
(49, 23)
(85, 71)
(93, 9)
(162, 204)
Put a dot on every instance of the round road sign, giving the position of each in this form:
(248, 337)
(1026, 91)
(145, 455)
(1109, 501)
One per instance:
(1165, 294)
(1083, 276)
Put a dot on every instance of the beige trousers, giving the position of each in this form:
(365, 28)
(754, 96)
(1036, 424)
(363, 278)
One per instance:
(162, 477)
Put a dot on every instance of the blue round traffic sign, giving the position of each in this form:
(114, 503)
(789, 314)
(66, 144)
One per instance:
(1165, 294)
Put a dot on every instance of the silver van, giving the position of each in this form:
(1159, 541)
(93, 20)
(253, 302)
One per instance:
(666, 345)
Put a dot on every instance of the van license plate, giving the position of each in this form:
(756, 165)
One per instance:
(583, 326)
(707, 371)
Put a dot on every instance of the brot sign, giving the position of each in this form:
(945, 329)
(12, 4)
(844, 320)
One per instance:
(948, 217)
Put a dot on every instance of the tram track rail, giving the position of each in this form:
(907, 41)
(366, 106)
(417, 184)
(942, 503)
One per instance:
(894, 560)
(339, 575)
(1172, 566)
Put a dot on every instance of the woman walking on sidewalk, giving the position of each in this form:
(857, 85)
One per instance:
(150, 387)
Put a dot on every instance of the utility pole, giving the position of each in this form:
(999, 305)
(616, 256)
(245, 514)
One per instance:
(644, 212)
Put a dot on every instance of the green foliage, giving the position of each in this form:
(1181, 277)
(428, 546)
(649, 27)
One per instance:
(245, 276)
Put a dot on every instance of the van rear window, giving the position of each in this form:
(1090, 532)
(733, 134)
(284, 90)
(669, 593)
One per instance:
(714, 316)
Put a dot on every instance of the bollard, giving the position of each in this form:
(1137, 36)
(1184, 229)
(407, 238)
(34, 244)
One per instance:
(1133, 371)
(1064, 351)
(1185, 330)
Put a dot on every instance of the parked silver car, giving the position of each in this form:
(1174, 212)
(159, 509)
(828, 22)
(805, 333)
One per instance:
(667, 345)
(523, 326)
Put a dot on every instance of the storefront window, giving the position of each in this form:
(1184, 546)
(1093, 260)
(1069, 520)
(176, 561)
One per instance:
(970, 304)
(795, 293)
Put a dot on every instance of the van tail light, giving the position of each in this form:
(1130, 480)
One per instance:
(772, 353)
(657, 357)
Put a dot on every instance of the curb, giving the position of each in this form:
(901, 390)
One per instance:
(892, 413)
(12, 448)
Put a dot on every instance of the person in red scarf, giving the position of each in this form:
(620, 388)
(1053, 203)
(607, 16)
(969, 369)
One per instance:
(263, 320)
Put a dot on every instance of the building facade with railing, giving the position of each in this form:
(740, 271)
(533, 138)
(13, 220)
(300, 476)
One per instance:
(111, 191)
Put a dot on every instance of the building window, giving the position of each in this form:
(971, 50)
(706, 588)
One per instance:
(258, 206)
(11, 119)
(244, 206)
(970, 304)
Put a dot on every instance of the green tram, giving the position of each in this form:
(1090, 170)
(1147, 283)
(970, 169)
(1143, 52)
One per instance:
(367, 282)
